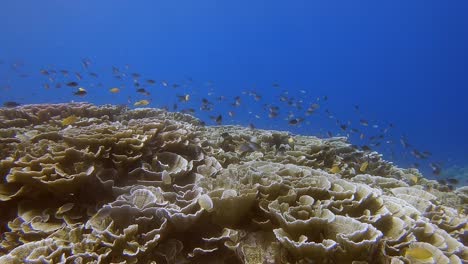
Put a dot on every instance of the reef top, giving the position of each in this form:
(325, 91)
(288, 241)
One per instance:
(82, 183)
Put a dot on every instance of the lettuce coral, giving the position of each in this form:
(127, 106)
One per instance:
(150, 186)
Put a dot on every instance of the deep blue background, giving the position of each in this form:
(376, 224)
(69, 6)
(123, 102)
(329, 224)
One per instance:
(404, 62)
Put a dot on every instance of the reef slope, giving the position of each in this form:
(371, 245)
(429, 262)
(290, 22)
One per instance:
(112, 185)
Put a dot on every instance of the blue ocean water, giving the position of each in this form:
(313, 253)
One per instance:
(403, 63)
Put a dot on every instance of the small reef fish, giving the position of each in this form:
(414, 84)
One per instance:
(295, 121)
(184, 98)
(218, 119)
(143, 91)
(237, 101)
(404, 143)
(44, 72)
(81, 92)
(141, 103)
(72, 84)
(86, 62)
(452, 181)
(114, 90)
(364, 166)
(436, 169)
(78, 76)
(69, 120)
(249, 147)
(335, 169)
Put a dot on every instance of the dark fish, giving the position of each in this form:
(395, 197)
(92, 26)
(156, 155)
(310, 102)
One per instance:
(452, 181)
(86, 62)
(136, 75)
(273, 111)
(276, 85)
(44, 72)
(115, 70)
(436, 169)
(295, 121)
(329, 134)
(364, 122)
(174, 107)
(365, 148)
(219, 119)
(206, 107)
(237, 101)
(356, 107)
(143, 91)
(417, 154)
(273, 114)
(11, 104)
(64, 72)
(343, 127)
(78, 76)
(72, 84)
(426, 154)
(251, 126)
(312, 108)
(442, 181)
(274, 108)
(249, 147)
(150, 81)
(93, 74)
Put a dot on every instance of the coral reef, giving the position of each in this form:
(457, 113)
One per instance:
(150, 186)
